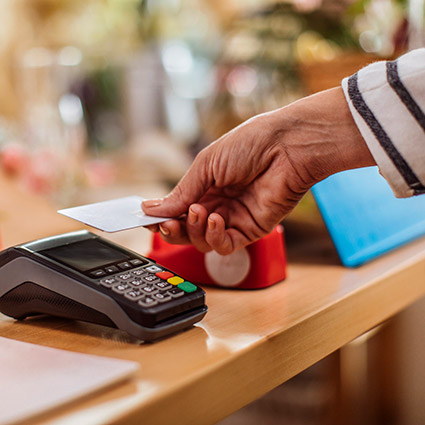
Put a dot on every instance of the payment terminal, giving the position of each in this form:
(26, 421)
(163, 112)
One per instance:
(82, 276)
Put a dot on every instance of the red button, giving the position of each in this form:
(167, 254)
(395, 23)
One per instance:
(164, 275)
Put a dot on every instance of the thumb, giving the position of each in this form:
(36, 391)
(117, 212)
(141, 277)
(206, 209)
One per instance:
(188, 191)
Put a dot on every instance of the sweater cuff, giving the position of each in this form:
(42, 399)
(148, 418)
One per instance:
(386, 101)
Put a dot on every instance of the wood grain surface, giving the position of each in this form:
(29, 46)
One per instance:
(249, 342)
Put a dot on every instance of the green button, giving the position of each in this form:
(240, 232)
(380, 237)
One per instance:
(187, 286)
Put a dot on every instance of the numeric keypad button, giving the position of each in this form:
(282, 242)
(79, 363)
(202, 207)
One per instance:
(150, 278)
(163, 285)
(137, 283)
(162, 297)
(139, 272)
(108, 282)
(150, 289)
(134, 294)
(120, 288)
(148, 302)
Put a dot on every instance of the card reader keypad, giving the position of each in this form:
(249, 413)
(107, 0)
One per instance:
(148, 285)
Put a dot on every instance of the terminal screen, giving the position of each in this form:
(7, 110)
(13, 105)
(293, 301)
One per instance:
(86, 255)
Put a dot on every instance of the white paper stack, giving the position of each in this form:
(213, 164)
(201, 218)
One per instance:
(34, 379)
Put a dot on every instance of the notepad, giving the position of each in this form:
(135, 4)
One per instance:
(364, 218)
(34, 379)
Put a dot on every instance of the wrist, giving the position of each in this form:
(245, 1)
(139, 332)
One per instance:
(320, 136)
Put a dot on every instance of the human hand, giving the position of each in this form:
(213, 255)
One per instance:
(242, 185)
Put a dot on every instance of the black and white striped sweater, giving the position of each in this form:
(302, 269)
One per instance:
(387, 100)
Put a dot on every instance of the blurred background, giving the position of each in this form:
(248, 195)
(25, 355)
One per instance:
(100, 93)
(107, 98)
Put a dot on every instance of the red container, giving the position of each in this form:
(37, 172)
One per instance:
(259, 265)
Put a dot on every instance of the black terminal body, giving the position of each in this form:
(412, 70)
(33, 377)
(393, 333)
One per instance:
(82, 276)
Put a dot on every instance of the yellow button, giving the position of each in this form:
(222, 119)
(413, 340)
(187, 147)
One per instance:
(175, 280)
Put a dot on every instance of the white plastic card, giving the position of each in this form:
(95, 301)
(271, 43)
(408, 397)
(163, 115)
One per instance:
(113, 215)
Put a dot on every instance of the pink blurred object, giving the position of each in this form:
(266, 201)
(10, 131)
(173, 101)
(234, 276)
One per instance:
(14, 159)
(43, 173)
(99, 172)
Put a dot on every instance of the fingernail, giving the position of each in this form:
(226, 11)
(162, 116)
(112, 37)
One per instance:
(150, 203)
(193, 216)
(211, 224)
(164, 230)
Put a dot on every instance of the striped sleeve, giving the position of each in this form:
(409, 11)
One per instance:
(387, 101)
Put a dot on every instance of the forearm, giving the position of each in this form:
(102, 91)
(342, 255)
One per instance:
(320, 136)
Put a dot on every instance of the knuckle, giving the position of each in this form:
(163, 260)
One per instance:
(226, 250)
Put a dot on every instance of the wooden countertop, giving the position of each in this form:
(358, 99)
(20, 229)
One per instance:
(249, 342)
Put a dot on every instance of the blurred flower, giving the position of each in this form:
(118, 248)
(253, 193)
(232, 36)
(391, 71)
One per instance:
(99, 172)
(70, 109)
(177, 57)
(307, 5)
(242, 47)
(377, 26)
(44, 172)
(14, 158)
(242, 80)
(312, 47)
(370, 41)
